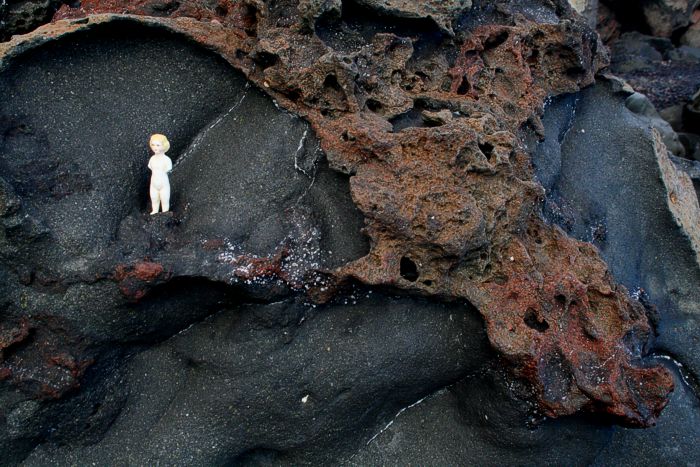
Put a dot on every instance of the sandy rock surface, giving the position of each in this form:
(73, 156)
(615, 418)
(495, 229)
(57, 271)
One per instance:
(373, 202)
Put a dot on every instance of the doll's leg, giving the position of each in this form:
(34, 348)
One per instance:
(155, 200)
(165, 198)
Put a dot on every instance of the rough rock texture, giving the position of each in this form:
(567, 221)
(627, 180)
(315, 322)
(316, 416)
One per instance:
(642, 106)
(691, 37)
(668, 75)
(407, 175)
(654, 202)
(649, 236)
(478, 419)
(588, 8)
(657, 17)
(666, 16)
(21, 16)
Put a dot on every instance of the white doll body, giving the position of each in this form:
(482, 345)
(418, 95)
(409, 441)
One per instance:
(160, 165)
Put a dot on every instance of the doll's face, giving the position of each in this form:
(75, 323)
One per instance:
(156, 146)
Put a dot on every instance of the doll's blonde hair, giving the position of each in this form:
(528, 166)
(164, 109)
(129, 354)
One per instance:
(162, 139)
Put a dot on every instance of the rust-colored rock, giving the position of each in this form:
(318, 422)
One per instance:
(42, 356)
(223, 11)
(252, 267)
(450, 202)
(566, 325)
(134, 280)
(11, 335)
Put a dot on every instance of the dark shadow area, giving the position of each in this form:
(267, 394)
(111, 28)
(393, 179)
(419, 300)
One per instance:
(341, 222)
(408, 269)
(485, 416)
(257, 457)
(629, 14)
(171, 307)
(415, 118)
(359, 24)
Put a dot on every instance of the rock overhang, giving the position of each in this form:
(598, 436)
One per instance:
(476, 239)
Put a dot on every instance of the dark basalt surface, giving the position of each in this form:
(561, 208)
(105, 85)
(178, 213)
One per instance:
(283, 383)
(78, 246)
(656, 67)
(76, 114)
(480, 420)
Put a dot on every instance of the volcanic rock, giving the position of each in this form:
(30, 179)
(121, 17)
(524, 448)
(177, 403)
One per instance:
(649, 236)
(588, 8)
(282, 382)
(657, 17)
(478, 419)
(692, 36)
(666, 16)
(349, 190)
(21, 16)
(656, 68)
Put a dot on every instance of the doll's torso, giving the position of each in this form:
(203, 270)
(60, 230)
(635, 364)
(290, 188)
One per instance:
(160, 165)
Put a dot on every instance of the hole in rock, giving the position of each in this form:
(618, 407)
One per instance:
(412, 118)
(629, 15)
(575, 72)
(533, 57)
(494, 41)
(487, 149)
(331, 82)
(358, 24)
(374, 105)
(293, 94)
(265, 59)
(464, 86)
(250, 20)
(408, 269)
(533, 321)
(415, 118)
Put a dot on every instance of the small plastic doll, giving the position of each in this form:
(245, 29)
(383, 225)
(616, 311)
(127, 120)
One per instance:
(160, 165)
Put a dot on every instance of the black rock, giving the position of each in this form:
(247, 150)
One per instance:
(281, 383)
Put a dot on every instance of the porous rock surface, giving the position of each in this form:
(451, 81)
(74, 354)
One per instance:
(666, 272)
(21, 16)
(411, 137)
